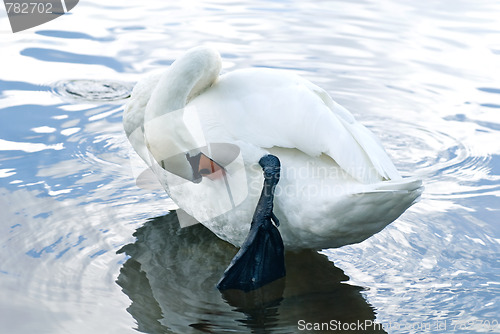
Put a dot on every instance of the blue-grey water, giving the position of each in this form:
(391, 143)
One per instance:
(84, 250)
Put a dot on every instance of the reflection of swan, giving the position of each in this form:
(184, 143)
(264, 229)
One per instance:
(338, 186)
(171, 274)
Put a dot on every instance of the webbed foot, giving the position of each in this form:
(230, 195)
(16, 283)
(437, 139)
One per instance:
(261, 258)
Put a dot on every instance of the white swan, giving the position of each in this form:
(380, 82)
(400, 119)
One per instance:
(337, 186)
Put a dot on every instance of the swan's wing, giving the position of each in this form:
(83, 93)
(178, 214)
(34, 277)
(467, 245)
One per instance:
(269, 108)
(364, 137)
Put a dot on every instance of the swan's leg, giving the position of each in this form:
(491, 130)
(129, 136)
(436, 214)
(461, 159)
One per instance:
(261, 258)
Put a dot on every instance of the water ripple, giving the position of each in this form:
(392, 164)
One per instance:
(93, 90)
(52, 55)
(422, 76)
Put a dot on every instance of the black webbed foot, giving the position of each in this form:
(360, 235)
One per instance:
(260, 259)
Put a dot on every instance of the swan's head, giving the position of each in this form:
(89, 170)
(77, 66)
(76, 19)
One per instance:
(172, 132)
(166, 130)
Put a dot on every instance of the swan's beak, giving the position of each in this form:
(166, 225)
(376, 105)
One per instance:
(209, 168)
(203, 166)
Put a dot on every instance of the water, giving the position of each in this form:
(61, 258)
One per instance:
(83, 249)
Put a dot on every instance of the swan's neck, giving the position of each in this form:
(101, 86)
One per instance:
(166, 134)
(186, 78)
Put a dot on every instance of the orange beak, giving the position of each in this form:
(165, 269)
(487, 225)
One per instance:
(209, 168)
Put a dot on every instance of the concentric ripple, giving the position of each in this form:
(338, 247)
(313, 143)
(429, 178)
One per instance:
(93, 90)
(431, 153)
(422, 76)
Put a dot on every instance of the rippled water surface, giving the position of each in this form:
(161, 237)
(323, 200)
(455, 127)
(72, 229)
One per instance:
(84, 250)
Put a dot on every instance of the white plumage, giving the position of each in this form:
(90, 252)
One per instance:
(337, 186)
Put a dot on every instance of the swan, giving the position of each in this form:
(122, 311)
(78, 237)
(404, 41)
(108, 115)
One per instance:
(203, 135)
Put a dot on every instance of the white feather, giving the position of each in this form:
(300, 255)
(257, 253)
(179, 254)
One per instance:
(338, 186)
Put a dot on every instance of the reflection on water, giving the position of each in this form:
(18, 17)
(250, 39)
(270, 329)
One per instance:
(423, 76)
(171, 275)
